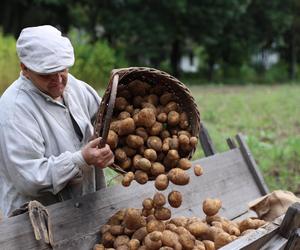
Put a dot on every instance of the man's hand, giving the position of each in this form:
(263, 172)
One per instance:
(99, 157)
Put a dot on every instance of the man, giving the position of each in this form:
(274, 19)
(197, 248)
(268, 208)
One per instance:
(46, 151)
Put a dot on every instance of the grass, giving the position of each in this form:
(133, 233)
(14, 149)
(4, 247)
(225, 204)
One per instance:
(269, 116)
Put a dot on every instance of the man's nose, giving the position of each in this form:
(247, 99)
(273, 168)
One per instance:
(57, 77)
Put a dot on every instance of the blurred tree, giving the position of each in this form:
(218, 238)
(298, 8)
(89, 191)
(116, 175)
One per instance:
(17, 14)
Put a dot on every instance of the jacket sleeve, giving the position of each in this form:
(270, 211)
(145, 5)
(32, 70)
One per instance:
(26, 164)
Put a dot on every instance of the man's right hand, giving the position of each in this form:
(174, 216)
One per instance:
(99, 157)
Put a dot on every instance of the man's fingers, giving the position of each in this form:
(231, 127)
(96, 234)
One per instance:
(94, 143)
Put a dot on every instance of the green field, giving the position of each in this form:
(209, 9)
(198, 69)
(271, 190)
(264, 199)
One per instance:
(269, 116)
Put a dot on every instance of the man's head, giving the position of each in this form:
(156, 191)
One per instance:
(45, 57)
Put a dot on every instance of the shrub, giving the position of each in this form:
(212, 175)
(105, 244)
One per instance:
(9, 62)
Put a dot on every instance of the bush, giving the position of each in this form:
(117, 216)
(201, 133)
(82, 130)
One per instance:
(9, 62)
(93, 62)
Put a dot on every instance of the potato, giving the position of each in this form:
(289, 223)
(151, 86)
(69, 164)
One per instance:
(146, 117)
(184, 132)
(250, 223)
(162, 213)
(186, 239)
(105, 228)
(165, 98)
(116, 230)
(120, 155)
(183, 120)
(133, 219)
(157, 168)
(209, 245)
(161, 182)
(166, 144)
(162, 117)
(184, 164)
(141, 177)
(122, 92)
(150, 154)
(180, 221)
(222, 239)
(164, 134)
(129, 151)
(211, 206)
(173, 155)
(125, 126)
(174, 143)
(129, 109)
(120, 103)
(140, 234)
(135, 160)
(123, 115)
(140, 131)
(173, 118)
(150, 106)
(147, 213)
(126, 164)
(137, 101)
(198, 170)
(153, 240)
(127, 179)
(171, 106)
(112, 139)
(128, 232)
(178, 176)
(169, 238)
(155, 129)
(175, 199)
(108, 239)
(133, 244)
(193, 141)
(155, 143)
(152, 98)
(144, 165)
(198, 229)
(98, 247)
(159, 200)
(148, 204)
(121, 240)
(183, 140)
(138, 87)
(210, 219)
(134, 141)
(155, 225)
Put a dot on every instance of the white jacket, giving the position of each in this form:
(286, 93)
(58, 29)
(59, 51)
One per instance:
(39, 149)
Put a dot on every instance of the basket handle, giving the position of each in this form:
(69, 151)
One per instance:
(109, 111)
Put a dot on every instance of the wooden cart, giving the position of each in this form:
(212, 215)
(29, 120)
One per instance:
(231, 176)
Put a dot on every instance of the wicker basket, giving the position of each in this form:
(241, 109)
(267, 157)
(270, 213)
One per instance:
(122, 77)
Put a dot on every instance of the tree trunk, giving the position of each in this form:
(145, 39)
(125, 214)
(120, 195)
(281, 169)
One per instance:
(292, 57)
(175, 58)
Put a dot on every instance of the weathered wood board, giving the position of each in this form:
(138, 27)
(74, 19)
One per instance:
(75, 223)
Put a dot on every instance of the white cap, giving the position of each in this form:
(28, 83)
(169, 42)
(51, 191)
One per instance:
(44, 50)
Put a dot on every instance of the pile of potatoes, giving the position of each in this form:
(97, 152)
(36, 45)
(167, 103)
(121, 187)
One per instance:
(151, 135)
(152, 228)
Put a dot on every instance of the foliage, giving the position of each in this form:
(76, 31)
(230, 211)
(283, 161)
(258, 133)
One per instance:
(9, 62)
(94, 62)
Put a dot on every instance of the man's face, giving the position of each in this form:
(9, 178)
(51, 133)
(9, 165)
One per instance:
(51, 84)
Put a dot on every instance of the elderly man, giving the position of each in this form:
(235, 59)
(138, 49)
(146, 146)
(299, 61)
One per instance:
(46, 151)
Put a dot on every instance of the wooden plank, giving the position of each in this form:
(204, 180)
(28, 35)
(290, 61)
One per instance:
(252, 164)
(231, 143)
(291, 220)
(206, 142)
(294, 241)
(76, 223)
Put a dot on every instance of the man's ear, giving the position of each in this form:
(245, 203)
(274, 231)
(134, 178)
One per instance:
(24, 69)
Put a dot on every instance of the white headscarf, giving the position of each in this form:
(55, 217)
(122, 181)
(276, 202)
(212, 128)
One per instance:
(44, 50)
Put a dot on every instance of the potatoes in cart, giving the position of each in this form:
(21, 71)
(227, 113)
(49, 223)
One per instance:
(130, 229)
(151, 134)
